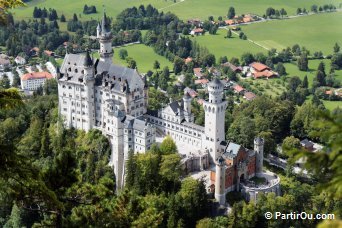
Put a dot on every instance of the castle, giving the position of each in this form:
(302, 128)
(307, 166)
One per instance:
(97, 94)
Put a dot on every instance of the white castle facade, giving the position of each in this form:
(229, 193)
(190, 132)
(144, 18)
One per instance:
(114, 99)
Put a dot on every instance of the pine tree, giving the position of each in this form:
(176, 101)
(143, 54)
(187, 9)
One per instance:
(74, 18)
(231, 13)
(63, 18)
(281, 69)
(303, 62)
(130, 169)
(305, 83)
(336, 48)
(229, 33)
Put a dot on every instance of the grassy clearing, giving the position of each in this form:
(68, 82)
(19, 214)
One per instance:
(317, 32)
(185, 9)
(68, 7)
(270, 87)
(204, 8)
(143, 55)
(331, 105)
(220, 46)
(292, 70)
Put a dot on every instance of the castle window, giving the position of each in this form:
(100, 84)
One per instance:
(76, 71)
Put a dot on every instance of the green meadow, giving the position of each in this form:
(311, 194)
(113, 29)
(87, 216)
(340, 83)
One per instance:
(143, 55)
(185, 9)
(69, 7)
(292, 70)
(318, 32)
(220, 46)
(204, 8)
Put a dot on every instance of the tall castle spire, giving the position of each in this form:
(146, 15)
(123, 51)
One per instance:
(105, 38)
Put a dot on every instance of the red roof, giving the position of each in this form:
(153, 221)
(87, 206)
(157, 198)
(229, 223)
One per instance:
(191, 92)
(36, 75)
(229, 22)
(201, 81)
(264, 74)
(328, 92)
(238, 88)
(48, 53)
(249, 96)
(197, 30)
(259, 66)
(200, 101)
(197, 72)
(188, 60)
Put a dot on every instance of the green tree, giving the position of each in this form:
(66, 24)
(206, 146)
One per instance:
(63, 19)
(336, 48)
(168, 146)
(281, 69)
(303, 62)
(131, 63)
(326, 163)
(229, 33)
(231, 13)
(156, 65)
(193, 200)
(15, 219)
(123, 53)
(290, 142)
(130, 169)
(305, 83)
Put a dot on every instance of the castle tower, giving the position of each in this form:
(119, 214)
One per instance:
(214, 110)
(187, 107)
(98, 31)
(105, 39)
(259, 149)
(220, 195)
(89, 81)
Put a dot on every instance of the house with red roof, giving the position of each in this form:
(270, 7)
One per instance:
(236, 69)
(260, 70)
(34, 80)
(191, 92)
(198, 72)
(238, 89)
(197, 31)
(249, 96)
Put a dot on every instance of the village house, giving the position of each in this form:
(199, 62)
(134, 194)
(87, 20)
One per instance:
(238, 89)
(188, 60)
(191, 92)
(49, 53)
(32, 81)
(249, 96)
(20, 60)
(198, 72)
(203, 82)
(197, 32)
(260, 70)
(195, 22)
(236, 69)
(4, 61)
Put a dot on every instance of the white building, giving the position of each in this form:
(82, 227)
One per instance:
(32, 81)
(20, 60)
(51, 68)
(97, 94)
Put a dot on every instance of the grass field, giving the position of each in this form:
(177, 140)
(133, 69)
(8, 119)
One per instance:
(317, 32)
(204, 8)
(220, 46)
(331, 105)
(143, 55)
(185, 9)
(69, 7)
(292, 70)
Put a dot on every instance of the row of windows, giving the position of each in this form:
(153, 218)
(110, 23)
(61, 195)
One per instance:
(175, 127)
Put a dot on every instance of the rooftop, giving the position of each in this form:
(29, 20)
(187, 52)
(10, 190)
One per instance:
(36, 75)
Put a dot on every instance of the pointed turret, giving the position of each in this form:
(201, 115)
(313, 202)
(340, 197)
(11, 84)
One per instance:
(88, 62)
(105, 39)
